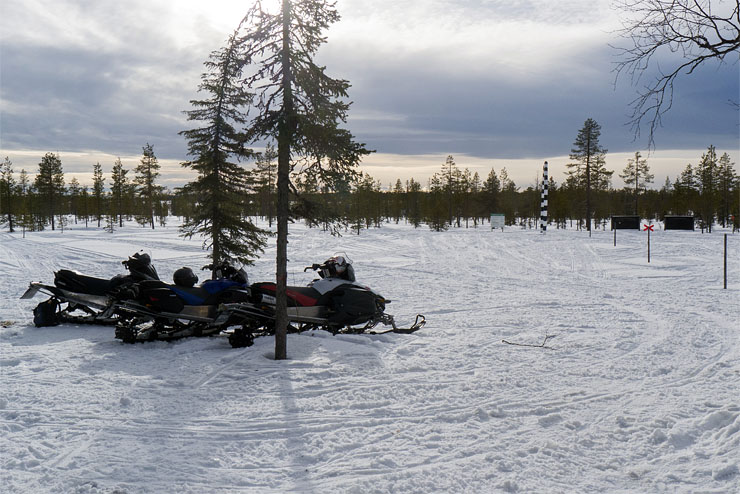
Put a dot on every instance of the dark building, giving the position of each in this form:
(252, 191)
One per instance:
(676, 222)
(625, 222)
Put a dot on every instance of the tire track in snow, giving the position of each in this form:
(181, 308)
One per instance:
(231, 361)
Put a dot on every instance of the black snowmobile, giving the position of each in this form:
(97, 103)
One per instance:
(154, 310)
(88, 299)
(334, 302)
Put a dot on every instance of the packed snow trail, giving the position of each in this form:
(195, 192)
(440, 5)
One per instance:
(638, 394)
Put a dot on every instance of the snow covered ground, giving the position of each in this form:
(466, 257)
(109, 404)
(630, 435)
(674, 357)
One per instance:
(639, 392)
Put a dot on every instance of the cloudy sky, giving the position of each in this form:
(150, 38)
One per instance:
(495, 83)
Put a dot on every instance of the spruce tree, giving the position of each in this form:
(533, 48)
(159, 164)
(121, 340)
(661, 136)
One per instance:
(708, 181)
(85, 199)
(413, 198)
(508, 196)
(119, 188)
(398, 196)
(449, 177)
(49, 184)
(220, 188)
(491, 191)
(465, 190)
(475, 189)
(685, 191)
(727, 187)
(438, 209)
(98, 190)
(75, 191)
(147, 172)
(265, 178)
(24, 190)
(637, 174)
(7, 191)
(301, 108)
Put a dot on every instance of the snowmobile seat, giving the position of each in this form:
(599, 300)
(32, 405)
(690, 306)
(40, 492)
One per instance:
(78, 283)
(173, 298)
(298, 296)
(205, 294)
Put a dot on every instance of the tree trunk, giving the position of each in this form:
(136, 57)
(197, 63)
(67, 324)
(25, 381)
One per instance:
(51, 210)
(285, 134)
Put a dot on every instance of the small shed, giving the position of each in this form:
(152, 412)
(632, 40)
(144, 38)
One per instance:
(678, 222)
(626, 222)
(497, 221)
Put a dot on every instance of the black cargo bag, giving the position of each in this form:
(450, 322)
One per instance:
(47, 313)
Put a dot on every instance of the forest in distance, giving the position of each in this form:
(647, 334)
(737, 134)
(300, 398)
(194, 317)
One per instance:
(453, 197)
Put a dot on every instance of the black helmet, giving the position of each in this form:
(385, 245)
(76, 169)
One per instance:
(338, 267)
(185, 278)
(140, 266)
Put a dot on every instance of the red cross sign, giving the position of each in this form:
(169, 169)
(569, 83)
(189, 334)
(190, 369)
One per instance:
(648, 227)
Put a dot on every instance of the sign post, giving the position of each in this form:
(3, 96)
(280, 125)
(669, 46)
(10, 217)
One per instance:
(648, 228)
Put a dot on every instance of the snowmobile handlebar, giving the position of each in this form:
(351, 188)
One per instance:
(313, 267)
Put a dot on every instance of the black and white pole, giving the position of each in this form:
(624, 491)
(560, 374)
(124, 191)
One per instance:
(725, 255)
(543, 206)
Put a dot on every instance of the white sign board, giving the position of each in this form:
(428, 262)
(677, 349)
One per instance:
(497, 221)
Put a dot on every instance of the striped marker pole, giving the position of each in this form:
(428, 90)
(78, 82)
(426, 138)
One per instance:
(543, 207)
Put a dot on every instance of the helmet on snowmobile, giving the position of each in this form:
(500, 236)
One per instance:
(240, 276)
(231, 273)
(185, 277)
(338, 267)
(226, 270)
(140, 266)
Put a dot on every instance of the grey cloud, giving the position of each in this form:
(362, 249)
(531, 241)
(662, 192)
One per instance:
(131, 82)
(496, 117)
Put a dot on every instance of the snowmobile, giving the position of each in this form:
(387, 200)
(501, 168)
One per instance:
(335, 302)
(154, 310)
(88, 299)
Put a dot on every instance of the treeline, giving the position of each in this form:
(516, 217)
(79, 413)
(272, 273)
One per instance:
(453, 197)
(48, 200)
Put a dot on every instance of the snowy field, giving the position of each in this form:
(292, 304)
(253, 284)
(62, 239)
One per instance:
(638, 392)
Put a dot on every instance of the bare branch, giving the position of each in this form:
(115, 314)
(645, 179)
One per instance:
(695, 29)
(541, 345)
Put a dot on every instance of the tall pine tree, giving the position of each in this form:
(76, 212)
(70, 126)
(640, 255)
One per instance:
(727, 184)
(148, 191)
(98, 190)
(119, 187)
(708, 180)
(298, 106)
(588, 156)
(491, 191)
(7, 191)
(49, 184)
(637, 175)
(24, 190)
